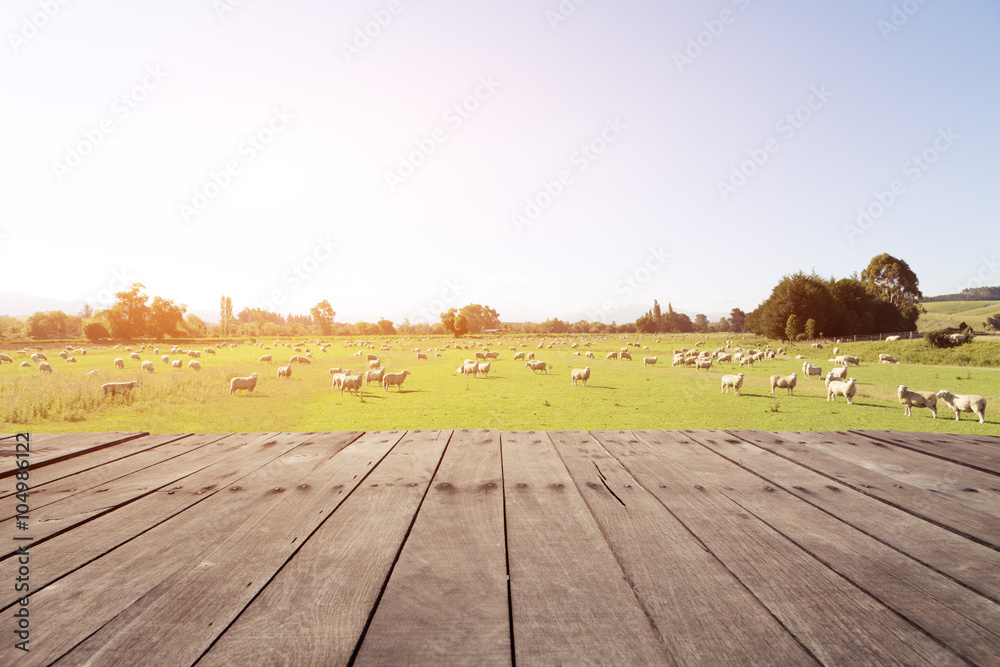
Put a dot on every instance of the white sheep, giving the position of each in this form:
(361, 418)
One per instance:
(531, 355)
(964, 403)
(35, 359)
(703, 363)
(165, 359)
(25, 364)
(734, 381)
(537, 366)
(887, 359)
(581, 375)
(649, 361)
(374, 364)
(147, 366)
(118, 387)
(5, 357)
(724, 358)
(921, 399)
(264, 359)
(209, 350)
(394, 379)
(588, 353)
(194, 365)
(374, 357)
(243, 383)
(63, 353)
(374, 376)
(351, 383)
(810, 370)
(44, 367)
(177, 363)
(421, 355)
(483, 369)
(890, 339)
(612, 355)
(845, 389)
(71, 360)
(520, 355)
(782, 382)
(839, 373)
(285, 371)
(626, 355)
(847, 360)
(678, 360)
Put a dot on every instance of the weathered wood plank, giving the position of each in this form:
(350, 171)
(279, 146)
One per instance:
(922, 503)
(569, 598)
(315, 610)
(47, 449)
(446, 601)
(957, 617)
(87, 597)
(90, 460)
(837, 622)
(703, 613)
(947, 447)
(960, 484)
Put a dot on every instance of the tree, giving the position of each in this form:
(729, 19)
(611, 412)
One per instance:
(792, 327)
(126, 318)
(165, 318)
(94, 331)
(195, 325)
(225, 314)
(994, 321)
(480, 317)
(737, 319)
(893, 281)
(86, 312)
(323, 314)
(701, 322)
(386, 327)
(810, 329)
(455, 322)
(656, 316)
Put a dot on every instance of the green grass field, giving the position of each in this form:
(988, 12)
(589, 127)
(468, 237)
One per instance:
(620, 395)
(941, 314)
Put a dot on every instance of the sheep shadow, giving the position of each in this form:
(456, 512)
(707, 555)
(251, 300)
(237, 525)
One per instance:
(598, 386)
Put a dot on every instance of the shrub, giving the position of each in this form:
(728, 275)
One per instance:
(95, 331)
(941, 338)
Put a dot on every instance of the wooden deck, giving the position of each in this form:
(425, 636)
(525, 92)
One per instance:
(486, 547)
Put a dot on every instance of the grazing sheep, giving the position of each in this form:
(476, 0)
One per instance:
(531, 355)
(374, 357)
(724, 358)
(394, 379)
(811, 370)
(42, 356)
(243, 383)
(921, 399)
(847, 360)
(678, 360)
(890, 339)
(44, 367)
(373, 376)
(480, 355)
(118, 387)
(800, 356)
(649, 361)
(703, 363)
(285, 371)
(887, 359)
(964, 403)
(119, 363)
(469, 368)
(209, 350)
(93, 372)
(537, 366)
(5, 357)
(63, 353)
(839, 373)
(734, 381)
(25, 364)
(421, 355)
(483, 369)
(845, 389)
(520, 355)
(196, 354)
(626, 355)
(177, 363)
(374, 364)
(818, 346)
(71, 360)
(492, 355)
(581, 375)
(612, 355)
(34, 358)
(782, 382)
(588, 354)
(165, 359)
(147, 366)
(265, 358)
(135, 356)
(194, 365)
(352, 383)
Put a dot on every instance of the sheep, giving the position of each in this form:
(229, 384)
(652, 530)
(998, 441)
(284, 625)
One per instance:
(374, 364)
(678, 360)
(209, 350)
(847, 360)
(394, 379)
(612, 355)
(119, 363)
(337, 369)
(734, 381)
(724, 359)
(266, 358)
(589, 354)
(194, 354)
(147, 366)
(165, 359)
(921, 399)
(836, 351)
(818, 346)
(838, 374)
(800, 356)
(351, 382)
(63, 353)
(964, 403)
(891, 339)
(810, 370)
(703, 363)
(469, 368)
(845, 389)
(518, 355)
(957, 338)
(537, 366)
(34, 358)
(285, 371)
(531, 355)
(580, 375)
(25, 364)
(887, 359)
(44, 367)
(118, 387)
(624, 350)
(373, 376)
(71, 360)
(243, 383)
(781, 382)
(492, 355)
(649, 361)
(626, 355)
(92, 372)
(194, 365)
(480, 356)
(421, 355)
(177, 363)
(5, 357)
(374, 357)
(483, 369)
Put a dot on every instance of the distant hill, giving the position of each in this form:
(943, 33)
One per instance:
(970, 294)
(16, 304)
(952, 313)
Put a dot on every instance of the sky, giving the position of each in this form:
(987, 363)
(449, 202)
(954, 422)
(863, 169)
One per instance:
(572, 159)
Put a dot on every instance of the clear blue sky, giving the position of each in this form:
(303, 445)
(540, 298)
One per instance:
(513, 154)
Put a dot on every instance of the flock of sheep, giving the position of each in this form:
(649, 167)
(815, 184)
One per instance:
(836, 381)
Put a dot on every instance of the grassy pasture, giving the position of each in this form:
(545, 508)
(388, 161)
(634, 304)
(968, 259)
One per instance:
(941, 314)
(620, 395)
